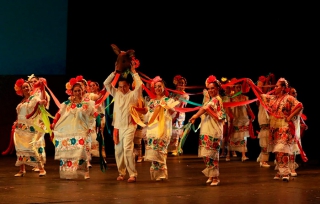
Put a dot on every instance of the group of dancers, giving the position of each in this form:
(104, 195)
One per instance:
(148, 114)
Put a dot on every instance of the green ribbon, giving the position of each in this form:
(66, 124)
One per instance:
(103, 164)
(236, 94)
(190, 102)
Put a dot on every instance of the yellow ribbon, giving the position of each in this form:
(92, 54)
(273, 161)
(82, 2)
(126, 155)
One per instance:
(136, 116)
(45, 118)
(161, 122)
(109, 103)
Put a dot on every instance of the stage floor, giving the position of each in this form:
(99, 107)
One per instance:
(241, 182)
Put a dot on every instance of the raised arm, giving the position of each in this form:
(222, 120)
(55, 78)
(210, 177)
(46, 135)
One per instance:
(108, 84)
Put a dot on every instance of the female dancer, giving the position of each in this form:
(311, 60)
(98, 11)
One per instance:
(179, 118)
(72, 127)
(240, 123)
(282, 109)
(159, 129)
(264, 121)
(26, 133)
(211, 131)
(41, 144)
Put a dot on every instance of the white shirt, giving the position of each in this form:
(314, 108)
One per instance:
(123, 102)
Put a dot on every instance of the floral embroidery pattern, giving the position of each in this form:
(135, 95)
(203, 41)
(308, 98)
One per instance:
(71, 164)
(211, 163)
(40, 150)
(157, 144)
(155, 166)
(209, 142)
(154, 103)
(25, 127)
(83, 104)
(23, 158)
(241, 128)
(69, 143)
(241, 143)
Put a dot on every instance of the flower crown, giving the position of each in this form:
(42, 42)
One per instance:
(72, 82)
(155, 80)
(177, 78)
(18, 86)
(262, 79)
(210, 79)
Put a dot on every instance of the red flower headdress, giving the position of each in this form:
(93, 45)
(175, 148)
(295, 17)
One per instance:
(210, 79)
(262, 79)
(71, 83)
(18, 86)
(155, 80)
(177, 78)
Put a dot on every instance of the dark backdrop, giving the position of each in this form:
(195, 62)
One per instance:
(194, 40)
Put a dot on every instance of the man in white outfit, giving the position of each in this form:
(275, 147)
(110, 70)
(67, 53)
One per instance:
(124, 125)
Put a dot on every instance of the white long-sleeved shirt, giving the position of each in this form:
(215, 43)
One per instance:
(123, 102)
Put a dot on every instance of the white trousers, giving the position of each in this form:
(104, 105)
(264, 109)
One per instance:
(125, 157)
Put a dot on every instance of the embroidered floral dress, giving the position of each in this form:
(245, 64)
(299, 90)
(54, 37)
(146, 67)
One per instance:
(26, 134)
(71, 137)
(159, 130)
(238, 138)
(178, 121)
(211, 134)
(281, 140)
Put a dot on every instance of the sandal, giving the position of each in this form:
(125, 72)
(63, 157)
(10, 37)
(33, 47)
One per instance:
(86, 175)
(132, 179)
(228, 158)
(20, 174)
(120, 178)
(215, 182)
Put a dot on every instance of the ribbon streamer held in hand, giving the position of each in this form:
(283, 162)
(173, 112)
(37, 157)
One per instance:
(100, 139)
(293, 132)
(184, 137)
